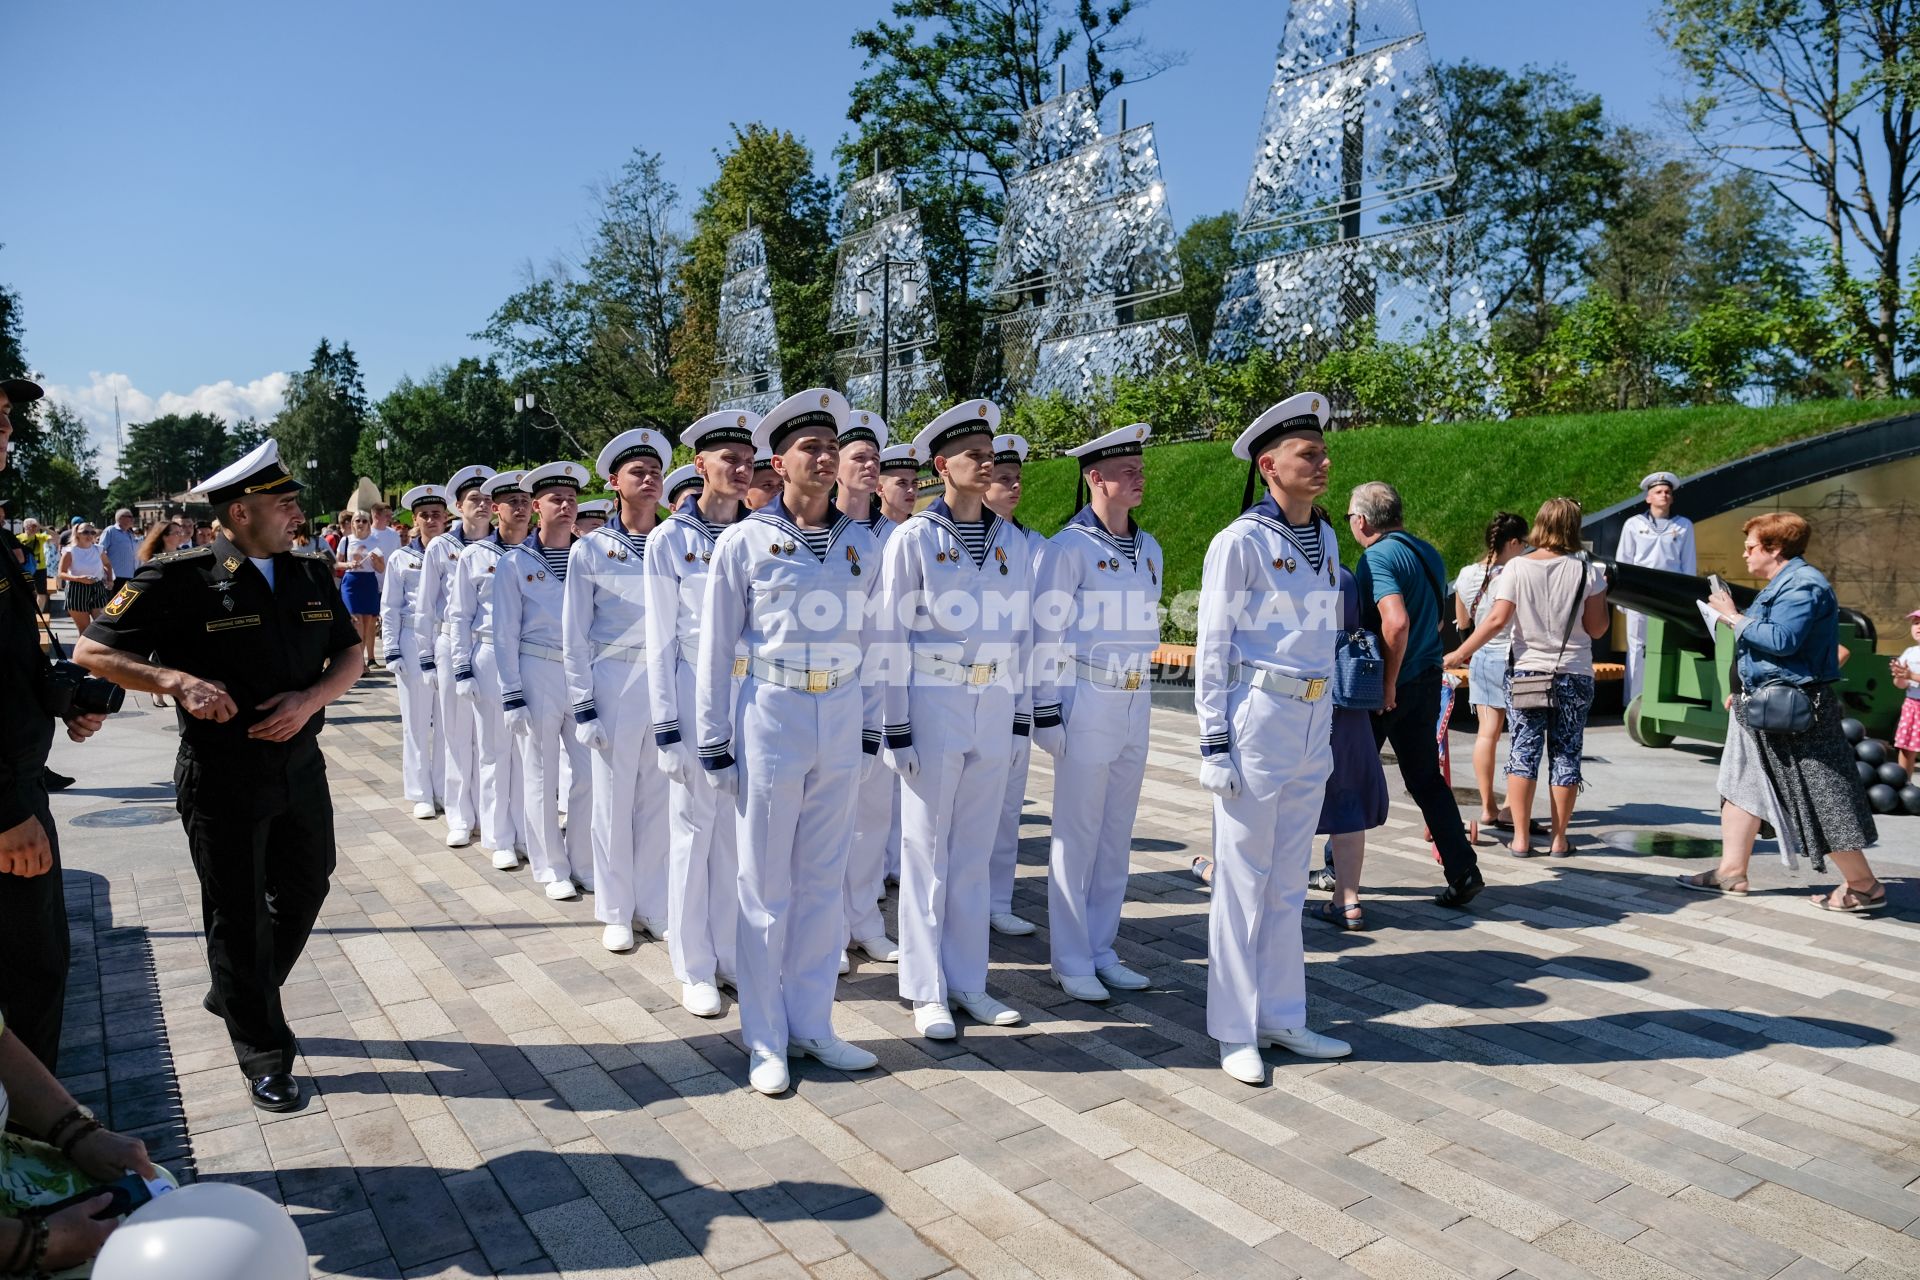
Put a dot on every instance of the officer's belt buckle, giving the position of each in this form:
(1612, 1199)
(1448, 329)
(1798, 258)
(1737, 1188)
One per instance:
(819, 681)
(1132, 682)
(739, 668)
(981, 673)
(1316, 689)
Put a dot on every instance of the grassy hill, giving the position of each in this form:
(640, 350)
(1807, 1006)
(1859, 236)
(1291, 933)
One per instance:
(1453, 477)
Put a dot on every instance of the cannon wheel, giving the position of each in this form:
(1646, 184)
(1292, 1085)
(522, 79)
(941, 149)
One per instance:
(1640, 731)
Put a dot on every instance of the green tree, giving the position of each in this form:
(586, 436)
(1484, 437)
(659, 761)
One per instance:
(1821, 98)
(57, 473)
(1206, 252)
(169, 455)
(325, 413)
(457, 415)
(768, 174)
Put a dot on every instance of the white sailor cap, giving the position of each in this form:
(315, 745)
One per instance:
(420, 493)
(504, 484)
(640, 442)
(900, 457)
(679, 479)
(1127, 442)
(968, 418)
(602, 507)
(727, 426)
(1667, 478)
(862, 425)
(763, 459)
(814, 407)
(555, 475)
(1010, 448)
(466, 478)
(1307, 411)
(259, 472)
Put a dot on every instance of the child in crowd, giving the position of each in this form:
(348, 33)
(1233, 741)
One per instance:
(1906, 674)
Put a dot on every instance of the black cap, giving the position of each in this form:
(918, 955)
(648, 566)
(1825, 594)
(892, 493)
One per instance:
(20, 390)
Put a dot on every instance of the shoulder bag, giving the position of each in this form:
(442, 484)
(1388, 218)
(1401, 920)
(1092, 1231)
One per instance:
(1534, 692)
(1359, 672)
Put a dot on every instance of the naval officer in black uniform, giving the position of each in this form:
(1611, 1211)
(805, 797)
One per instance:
(252, 641)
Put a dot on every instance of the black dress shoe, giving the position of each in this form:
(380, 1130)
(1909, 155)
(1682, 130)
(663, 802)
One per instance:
(1459, 895)
(208, 1003)
(55, 781)
(277, 1091)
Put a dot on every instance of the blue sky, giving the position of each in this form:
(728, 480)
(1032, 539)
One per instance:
(212, 186)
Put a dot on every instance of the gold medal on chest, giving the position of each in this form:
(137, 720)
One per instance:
(942, 557)
(1292, 564)
(689, 557)
(1000, 554)
(853, 560)
(787, 548)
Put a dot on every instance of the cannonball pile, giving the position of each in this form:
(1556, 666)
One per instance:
(1889, 789)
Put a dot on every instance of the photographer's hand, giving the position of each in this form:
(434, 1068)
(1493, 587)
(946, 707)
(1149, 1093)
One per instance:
(80, 728)
(24, 850)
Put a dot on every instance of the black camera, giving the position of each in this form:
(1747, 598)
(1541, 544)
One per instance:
(73, 691)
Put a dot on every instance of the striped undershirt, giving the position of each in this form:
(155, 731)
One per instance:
(556, 558)
(636, 542)
(817, 540)
(1308, 536)
(1131, 545)
(973, 536)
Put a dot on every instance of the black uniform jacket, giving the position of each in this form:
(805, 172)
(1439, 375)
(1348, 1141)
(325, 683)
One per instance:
(26, 730)
(209, 612)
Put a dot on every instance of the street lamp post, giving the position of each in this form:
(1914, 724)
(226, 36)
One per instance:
(526, 403)
(863, 307)
(381, 445)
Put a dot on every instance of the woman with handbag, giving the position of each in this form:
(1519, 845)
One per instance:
(1786, 664)
(1486, 675)
(1549, 677)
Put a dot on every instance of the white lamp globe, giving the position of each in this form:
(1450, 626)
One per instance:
(208, 1231)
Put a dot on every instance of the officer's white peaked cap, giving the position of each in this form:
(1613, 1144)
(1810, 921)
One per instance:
(1667, 478)
(814, 407)
(420, 493)
(727, 426)
(259, 472)
(1308, 411)
(466, 478)
(969, 417)
(628, 445)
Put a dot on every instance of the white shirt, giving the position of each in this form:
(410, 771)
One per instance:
(606, 605)
(1542, 592)
(1476, 583)
(1657, 544)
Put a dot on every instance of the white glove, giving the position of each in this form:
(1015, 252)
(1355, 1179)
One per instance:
(520, 722)
(593, 736)
(726, 781)
(868, 763)
(902, 760)
(464, 688)
(677, 762)
(1218, 775)
(430, 676)
(393, 661)
(1051, 739)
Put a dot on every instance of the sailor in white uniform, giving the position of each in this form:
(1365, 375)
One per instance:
(1003, 499)
(422, 750)
(603, 628)
(592, 515)
(529, 597)
(787, 743)
(703, 873)
(1269, 613)
(1657, 539)
(861, 441)
(1098, 624)
(954, 601)
(476, 668)
(765, 486)
(899, 492)
(457, 729)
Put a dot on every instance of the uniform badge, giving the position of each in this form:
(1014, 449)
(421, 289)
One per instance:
(942, 557)
(231, 563)
(1000, 554)
(853, 559)
(121, 599)
(689, 557)
(1292, 564)
(1278, 563)
(1153, 573)
(774, 547)
(226, 602)
(491, 568)
(787, 548)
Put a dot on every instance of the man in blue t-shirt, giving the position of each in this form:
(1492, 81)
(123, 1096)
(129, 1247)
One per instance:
(1402, 582)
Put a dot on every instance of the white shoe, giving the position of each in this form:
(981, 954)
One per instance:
(933, 1021)
(653, 928)
(833, 1052)
(617, 937)
(982, 1007)
(1080, 988)
(562, 891)
(1305, 1042)
(1121, 978)
(767, 1074)
(1243, 1062)
(459, 839)
(425, 810)
(846, 964)
(701, 999)
(1010, 924)
(505, 859)
(882, 948)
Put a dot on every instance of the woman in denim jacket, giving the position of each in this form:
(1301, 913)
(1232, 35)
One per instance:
(1791, 635)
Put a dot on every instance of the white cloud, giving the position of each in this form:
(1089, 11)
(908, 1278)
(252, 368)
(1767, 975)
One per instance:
(262, 398)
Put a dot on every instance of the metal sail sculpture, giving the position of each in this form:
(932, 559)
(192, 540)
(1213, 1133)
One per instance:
(749, 351)
(882, 248)
(1086, 242)
(1355, 127)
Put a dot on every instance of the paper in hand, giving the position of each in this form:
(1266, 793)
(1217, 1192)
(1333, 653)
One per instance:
(1707, 615)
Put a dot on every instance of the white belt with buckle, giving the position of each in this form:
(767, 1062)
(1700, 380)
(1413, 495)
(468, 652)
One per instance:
(548, 652)
(800, 681)
(1303, 690)
(1130, 681)
(634, 653)
(972, 674)
(691, 654)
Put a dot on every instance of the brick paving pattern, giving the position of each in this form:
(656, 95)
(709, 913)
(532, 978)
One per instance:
(1594, 1074)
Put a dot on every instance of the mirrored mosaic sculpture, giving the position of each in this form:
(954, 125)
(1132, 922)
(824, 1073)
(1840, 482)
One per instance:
(749, 350)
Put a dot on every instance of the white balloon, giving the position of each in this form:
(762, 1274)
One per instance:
(208, 1231)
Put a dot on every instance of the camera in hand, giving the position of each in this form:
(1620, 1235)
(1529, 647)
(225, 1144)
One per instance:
(73, 691)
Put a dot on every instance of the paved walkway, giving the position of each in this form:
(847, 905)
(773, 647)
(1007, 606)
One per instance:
(1592, 1074)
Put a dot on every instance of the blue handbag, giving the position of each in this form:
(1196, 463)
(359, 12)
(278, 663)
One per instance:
(1359, 672)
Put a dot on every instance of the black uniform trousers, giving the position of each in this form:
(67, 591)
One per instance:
(259, 824)
(35, 951)
(1411, 726)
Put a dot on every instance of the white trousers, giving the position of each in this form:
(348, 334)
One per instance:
(554, 856)
(1096, 793)
(948, 820)
(629, 800)
(1006, 839)
(458, 731)
(703, 873)
(499, 772)
(1636, 651)
(876, 817)
(422, 762)
(1262, 845)
(799, 758)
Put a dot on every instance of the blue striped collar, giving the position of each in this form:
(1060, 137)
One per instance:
(776, 514)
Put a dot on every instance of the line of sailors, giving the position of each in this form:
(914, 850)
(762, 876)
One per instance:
(757, 709)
